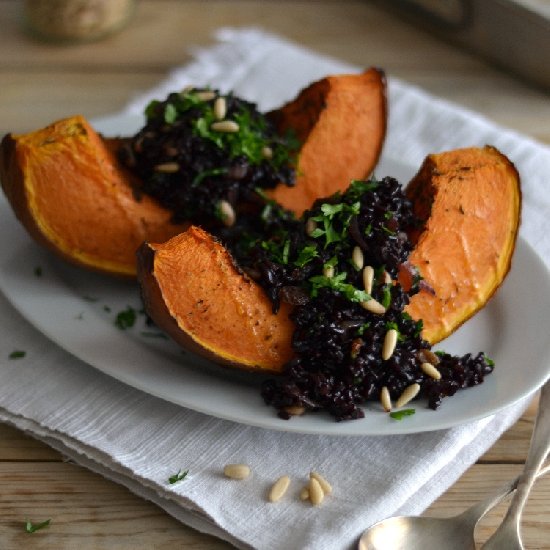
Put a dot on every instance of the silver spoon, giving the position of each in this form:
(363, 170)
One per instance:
(454, 533)
(508, 536)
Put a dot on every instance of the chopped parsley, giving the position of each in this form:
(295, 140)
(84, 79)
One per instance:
(489, 361)
(399, 415)
(17, 354)
(180, 476)
(335, 220)
(126, 319)
(338, 284)
(33, 527)
(306, 255)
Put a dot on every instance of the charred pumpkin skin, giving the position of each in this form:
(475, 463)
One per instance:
(470, 200)
(341, 123)
(67, 188)
(193, 291)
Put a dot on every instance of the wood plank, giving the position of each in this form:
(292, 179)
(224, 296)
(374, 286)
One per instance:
(86, 511)
(477, 483)
(17, 446)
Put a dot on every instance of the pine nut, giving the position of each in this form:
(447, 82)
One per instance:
(390, 341)
(167, 167)
(325, 485)
(227, 213)
(279, 489)
(409, 393)
(431, 371)
(304, 493)
(267, 152)
(236, 471)
(311, 226)
(373, 306)
(220, 108)
(385, 399)
(387, 278)
(206, 95)
(295, 410)
(368, 278)
(357, 258)
(328, 271)
(226, 126)
(316, 494)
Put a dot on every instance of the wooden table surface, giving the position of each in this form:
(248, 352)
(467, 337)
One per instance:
(41, 82)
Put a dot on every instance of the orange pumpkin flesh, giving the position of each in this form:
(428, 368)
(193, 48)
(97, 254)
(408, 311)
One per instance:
(68, 189)
(193, 291)
(341, 122)
(71, 194)
(470, 200)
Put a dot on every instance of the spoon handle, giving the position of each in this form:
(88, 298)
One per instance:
(507, 536)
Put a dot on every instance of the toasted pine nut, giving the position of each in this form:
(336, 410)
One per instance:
(295, 410)
(206, 95)
(228, 215)
(390, 341)
(325, 485)
(357, 258)
(385, 399)
(409, 393)
(373, 306)
(311, 226)
(316, 494)
(328, 271)
(368, 278)
(226, 126)
(267, 152)
(279, 489)
(304, 493)
(220, 108)
(387, 278)
(167, 167)
(431, 371)
(236, 471)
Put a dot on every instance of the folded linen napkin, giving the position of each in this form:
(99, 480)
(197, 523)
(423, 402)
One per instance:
(139, 440)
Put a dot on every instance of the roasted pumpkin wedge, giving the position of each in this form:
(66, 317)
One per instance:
(470, 200)
(341, 122)
(69, 191)
(193, 291)
(67, 187)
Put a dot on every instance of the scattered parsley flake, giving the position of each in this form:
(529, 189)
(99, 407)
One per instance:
(489, 361)
(386, 296)
(180, 476)
(361, 330)
(126, 318)
(32, 528)
(399, 415)
(17, 354)
(170, 113)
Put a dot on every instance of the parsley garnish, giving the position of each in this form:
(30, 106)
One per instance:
(207, 173)
(180, 476)
(361, 330)
(337, 283)
(399, 415)
(332, 213)
(126, 318)
(17, 354)
(32, 528)
(386, 296)
(488, 360)
(305, 256)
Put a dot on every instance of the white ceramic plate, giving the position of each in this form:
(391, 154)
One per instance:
(76, 309)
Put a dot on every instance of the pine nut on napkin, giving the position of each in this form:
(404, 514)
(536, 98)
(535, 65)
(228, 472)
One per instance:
(139, 441)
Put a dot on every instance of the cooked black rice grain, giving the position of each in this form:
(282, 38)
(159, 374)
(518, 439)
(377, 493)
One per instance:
(338, 344)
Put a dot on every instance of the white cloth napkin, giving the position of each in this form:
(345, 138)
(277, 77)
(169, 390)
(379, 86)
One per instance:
(139, 441)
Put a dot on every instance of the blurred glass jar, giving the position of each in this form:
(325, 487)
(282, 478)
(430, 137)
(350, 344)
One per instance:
(76, 20)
